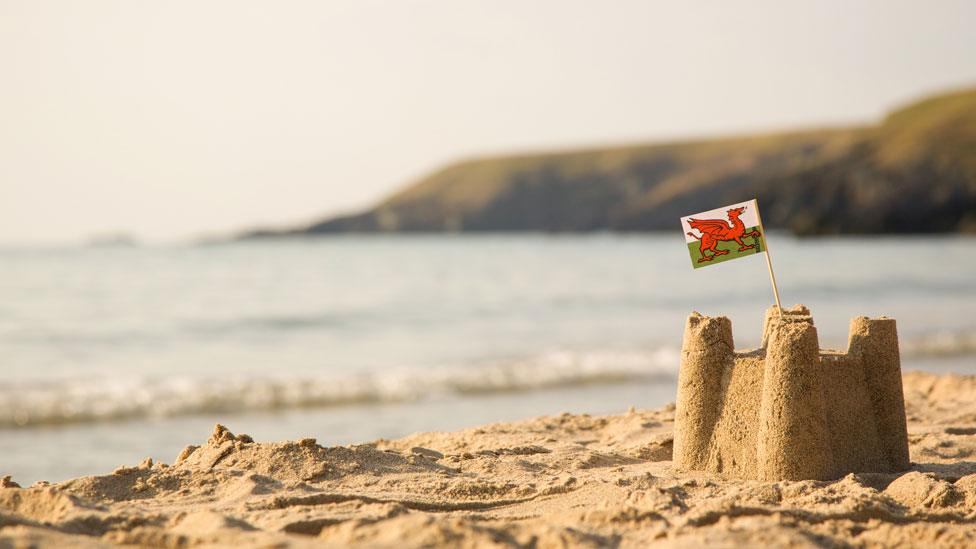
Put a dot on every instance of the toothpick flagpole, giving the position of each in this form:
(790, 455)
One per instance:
(769, 262)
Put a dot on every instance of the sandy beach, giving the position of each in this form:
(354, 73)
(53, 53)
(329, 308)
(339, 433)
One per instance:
(564, 480)
(444, 274)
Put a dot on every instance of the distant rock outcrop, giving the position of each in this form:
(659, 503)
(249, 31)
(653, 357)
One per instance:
(915, 172)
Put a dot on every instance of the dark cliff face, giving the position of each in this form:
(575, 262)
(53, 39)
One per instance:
(855, 197)
(913, 173)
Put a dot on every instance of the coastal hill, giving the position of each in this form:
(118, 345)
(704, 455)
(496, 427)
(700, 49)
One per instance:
(913, 172)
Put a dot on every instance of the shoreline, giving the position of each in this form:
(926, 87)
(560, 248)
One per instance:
(574, 479)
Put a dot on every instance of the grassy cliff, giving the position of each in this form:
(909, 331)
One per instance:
(915, 171)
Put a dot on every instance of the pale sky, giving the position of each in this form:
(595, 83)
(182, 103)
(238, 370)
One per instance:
(173, 119)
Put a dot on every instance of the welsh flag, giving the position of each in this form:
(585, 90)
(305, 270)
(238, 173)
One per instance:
(725, 233)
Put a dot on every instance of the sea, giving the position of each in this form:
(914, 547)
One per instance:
(110, 354)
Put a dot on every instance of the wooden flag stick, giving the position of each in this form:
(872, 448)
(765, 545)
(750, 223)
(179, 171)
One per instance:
(769, 262)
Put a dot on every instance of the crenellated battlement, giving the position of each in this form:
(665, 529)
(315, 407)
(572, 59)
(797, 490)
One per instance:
(789, 410)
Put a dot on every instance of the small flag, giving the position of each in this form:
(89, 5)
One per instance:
(728, 233)
(724, 233)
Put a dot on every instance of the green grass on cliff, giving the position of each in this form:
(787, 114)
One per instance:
(942, 129)
(915, 171)
(672, 168)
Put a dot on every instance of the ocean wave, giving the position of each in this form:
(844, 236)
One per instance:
(57, 402)
(939, 345)
(104, 400)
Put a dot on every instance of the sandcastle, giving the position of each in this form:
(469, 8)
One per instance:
(788, 410)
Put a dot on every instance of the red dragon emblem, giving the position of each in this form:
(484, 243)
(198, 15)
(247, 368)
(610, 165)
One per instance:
(718, 230)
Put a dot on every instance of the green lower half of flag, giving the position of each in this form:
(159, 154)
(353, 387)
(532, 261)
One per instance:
(724, 250)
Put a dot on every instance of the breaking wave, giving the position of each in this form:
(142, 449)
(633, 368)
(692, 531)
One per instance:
(940, 344)
(102, 400)
(65, 401)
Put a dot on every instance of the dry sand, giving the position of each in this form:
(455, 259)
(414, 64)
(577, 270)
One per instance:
(569, 480)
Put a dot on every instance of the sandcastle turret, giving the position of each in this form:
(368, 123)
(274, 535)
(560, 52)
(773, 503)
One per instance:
(789, 410)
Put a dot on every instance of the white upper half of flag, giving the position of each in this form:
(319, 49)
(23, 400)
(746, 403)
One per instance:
(749, 217)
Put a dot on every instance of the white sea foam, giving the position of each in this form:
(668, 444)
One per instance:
(100, 400)
(64, 401)
(940, 344)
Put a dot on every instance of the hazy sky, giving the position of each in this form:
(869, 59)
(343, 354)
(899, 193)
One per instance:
(173, 119)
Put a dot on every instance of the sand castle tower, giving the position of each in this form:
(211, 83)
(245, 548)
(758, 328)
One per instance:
(788, 410)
